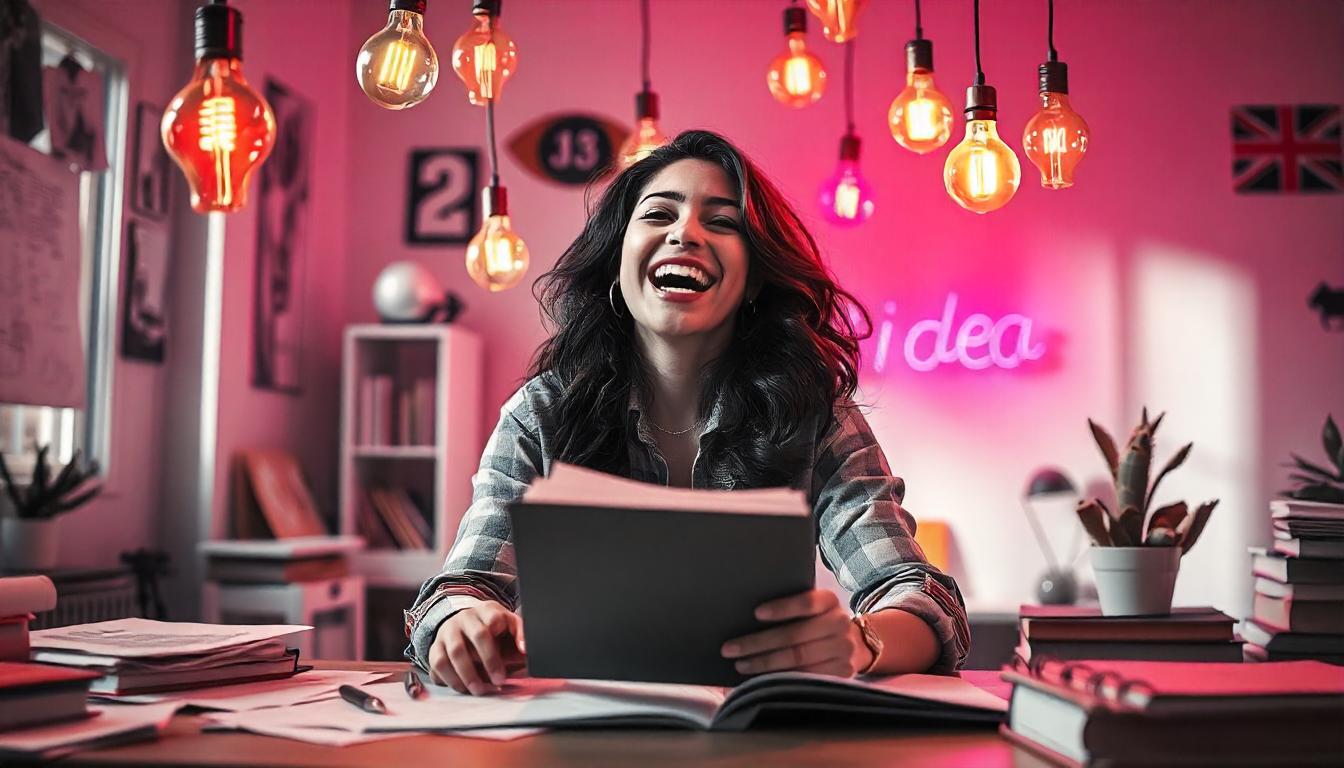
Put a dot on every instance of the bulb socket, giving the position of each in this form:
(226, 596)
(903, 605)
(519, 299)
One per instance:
(918, 55)
(982, 102)
(795, 20)
(494, 201)
(646, 105)
(849, 148)
(486, 7)
(219, 32)
(1054, 77)
(414, 6)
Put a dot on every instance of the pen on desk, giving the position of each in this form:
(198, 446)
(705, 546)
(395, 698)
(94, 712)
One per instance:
(414, 688)
(364, 701)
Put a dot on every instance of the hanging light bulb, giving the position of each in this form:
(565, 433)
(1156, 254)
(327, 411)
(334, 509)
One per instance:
(397, 67)
(217, 128)
(846, 197)
(496, 257)
(920, 116)
(1055, 138)
(485, 57)
(982, 172)
(837, 17)
(796, 77)
(646, 136)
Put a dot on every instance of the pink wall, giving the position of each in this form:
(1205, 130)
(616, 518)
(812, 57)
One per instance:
(1151, 281)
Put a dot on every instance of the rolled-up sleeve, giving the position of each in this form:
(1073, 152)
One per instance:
(481, 564)
(867, 539)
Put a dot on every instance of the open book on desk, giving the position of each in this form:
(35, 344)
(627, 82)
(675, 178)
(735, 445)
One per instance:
(910, 700)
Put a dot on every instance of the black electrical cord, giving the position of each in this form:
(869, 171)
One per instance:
(490, 137)
(1050, 34)
(919, 27)
(849, 88)
(979, 73)
(644, 49)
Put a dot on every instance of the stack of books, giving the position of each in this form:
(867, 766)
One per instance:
(20, 598)
(1071, 632)
(279, 561)
(1299, 585)
(134, 656)
(1118, 713)
(391, 518)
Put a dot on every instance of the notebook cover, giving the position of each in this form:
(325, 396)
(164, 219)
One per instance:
(15, 675)
(650, 595)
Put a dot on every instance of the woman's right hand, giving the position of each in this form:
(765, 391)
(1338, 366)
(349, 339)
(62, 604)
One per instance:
(476, 648)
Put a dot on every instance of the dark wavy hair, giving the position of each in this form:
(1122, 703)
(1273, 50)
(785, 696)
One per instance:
(792, 355)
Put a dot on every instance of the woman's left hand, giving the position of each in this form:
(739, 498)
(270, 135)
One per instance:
(816, 635)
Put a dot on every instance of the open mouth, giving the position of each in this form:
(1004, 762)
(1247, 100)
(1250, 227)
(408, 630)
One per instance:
(681, 278)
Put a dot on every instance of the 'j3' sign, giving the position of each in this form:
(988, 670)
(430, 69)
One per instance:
(977, 341)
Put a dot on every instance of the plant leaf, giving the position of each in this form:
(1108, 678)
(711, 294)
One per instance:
(1092, 517)
(1132, 521)
(1107, 445)
(1172, 464)
(1192, 526)
(1153, 429)
(1160, 537)
(1169, 516)
(1307, 466)
(65, 506)
(1334, 446)
(11, 490)
(41, 472)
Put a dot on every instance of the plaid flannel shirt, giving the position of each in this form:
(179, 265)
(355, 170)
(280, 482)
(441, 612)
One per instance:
(864, 534)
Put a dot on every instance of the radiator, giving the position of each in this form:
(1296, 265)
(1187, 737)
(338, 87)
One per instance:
(104, 597)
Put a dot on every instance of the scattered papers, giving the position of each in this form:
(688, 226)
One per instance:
(145, 638)
(109, 725)
(333, 737)
(303, 687)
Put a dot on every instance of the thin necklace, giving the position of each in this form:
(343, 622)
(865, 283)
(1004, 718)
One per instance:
(670, 432)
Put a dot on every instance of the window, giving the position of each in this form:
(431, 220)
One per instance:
(100, 193)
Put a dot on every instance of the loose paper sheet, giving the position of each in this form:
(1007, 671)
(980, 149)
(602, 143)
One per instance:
(145, 638)
(110, 721)
(303, 687)
(41, 341)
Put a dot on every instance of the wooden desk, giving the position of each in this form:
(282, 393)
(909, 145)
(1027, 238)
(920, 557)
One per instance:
(183, 743)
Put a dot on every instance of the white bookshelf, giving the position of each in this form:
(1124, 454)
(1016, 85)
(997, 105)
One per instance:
(433, 461)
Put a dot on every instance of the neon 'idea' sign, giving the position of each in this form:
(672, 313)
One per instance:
(976, 342)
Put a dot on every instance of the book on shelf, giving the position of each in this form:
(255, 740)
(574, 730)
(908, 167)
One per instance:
(404, 520)
(1264, 586)
(1296, 570)
(1289, 546)
(372, 526)
(1305, 643)
(1288, 615)
(133, 656)
(271, 497)
(1121, 713)
(37, 694)
(376, 424)
(254, 571)
(1298, 509)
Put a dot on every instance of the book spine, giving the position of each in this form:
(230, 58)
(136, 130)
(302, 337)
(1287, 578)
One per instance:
(365, 435)
(1094, 687)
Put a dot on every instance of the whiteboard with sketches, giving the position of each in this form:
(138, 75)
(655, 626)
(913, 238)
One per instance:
(41, 342)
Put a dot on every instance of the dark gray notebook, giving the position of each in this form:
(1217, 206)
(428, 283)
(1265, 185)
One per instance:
(629, 592)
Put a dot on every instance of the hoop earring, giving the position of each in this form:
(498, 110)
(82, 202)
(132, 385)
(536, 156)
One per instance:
(612, 301)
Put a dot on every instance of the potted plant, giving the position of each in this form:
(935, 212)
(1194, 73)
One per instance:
(1317, 483)
(28, 532)
(1136, 554)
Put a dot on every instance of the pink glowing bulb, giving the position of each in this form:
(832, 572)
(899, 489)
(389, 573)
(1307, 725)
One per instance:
(847, 198)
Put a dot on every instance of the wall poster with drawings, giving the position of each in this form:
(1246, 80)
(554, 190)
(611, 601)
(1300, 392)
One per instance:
(442, 204)
(283, 198)
(41, 343)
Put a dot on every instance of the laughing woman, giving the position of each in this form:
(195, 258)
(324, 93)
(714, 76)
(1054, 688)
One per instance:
(700, 341)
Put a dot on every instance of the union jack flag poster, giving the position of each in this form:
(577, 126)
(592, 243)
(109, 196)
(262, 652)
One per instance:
(1286, 148)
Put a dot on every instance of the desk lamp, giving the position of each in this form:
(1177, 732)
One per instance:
(1057, 585)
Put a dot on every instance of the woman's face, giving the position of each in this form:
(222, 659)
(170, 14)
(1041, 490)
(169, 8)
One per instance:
(684, 258)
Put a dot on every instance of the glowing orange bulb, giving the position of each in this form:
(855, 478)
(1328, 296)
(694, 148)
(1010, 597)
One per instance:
(484, 57)
(218, 130)
(981, 173)
(796, 77)
(397, 67)
(497, 257)
(1056, 137)
(646, 137)
(920, 117)
(837, 17)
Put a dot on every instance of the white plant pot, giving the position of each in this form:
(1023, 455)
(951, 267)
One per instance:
(1135, 581)
(28, 545)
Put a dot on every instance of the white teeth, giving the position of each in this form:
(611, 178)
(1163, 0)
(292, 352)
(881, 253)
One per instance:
(686, 271)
